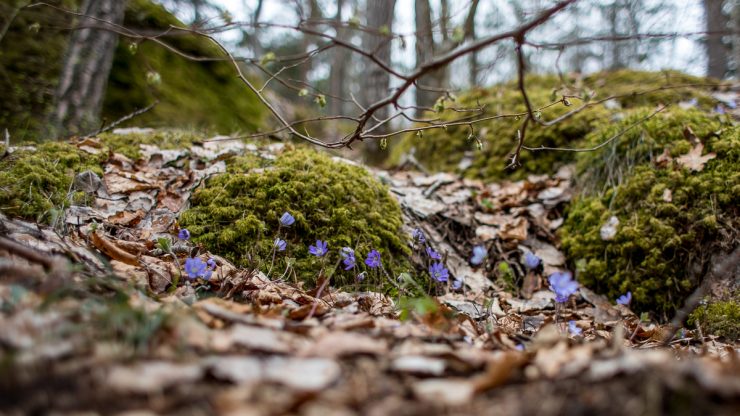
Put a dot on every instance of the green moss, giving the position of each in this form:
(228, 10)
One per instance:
(35, 184)
(669, 216)
(129, 145)
(443, 149)
(236, 214)
(720, 318)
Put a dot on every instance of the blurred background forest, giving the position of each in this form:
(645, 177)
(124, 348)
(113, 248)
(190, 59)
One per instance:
(288, 44)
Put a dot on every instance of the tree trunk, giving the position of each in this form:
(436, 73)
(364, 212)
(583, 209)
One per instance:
(735, 39)
(314, 14)
(338, 72)
(425, 50)
(87, 64)
(718, 52)
(617, 50)
(469, 30)
(376, 81)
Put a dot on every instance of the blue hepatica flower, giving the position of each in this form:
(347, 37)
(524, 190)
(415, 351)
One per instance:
(439, 272)
(574, 329)
(531, 261)
(563, 285)
(348, 258)
(433, 254)
(479, 254)
(625, 299)
(418, 235)
(195, 268)
(319, 249)
(457, 284)
(184, 234)
(211, 263)
(373, 259)
(280, 244)
(287, 220)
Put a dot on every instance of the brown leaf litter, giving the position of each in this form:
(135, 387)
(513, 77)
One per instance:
(112, 334)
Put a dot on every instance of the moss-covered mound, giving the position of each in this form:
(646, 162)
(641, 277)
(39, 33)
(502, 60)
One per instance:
(191, 94)
(443, 149)
(670, 218)
(720, 318)
(205, 95)
(36, 184)
(237, 214)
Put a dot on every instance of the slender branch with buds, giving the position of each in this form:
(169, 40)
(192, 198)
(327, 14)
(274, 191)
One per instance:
(373, 119)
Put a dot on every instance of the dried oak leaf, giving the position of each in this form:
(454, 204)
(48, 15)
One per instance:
(694, 160)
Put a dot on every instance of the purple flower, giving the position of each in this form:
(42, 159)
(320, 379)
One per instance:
(479, 254)
(287, 220)
(319, 249)
(280, 244)
(457, 284)
(211, 264)
(519, 347)
(195, 267)
(418, 235)
(531, 261)
(348, 256)
(563, 285)
(184, 234)
(719, 109)
(433, 254)
(373, 259)
(625, 299)
(439, 272)
(361, 276)
(574, 329)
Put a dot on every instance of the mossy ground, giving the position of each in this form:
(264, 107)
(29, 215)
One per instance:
(129, 145)
(443, 149)
(671, 219)
(237, 215)
(36, 184)
(721, 318)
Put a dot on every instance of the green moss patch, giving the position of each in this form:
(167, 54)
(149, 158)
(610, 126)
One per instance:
(237, 215)
(720, 318)
(129, 145)
(670, 218)
(36, 184)
(443, 149)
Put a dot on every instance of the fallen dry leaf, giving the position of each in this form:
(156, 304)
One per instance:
(693, 160)
(112, 250)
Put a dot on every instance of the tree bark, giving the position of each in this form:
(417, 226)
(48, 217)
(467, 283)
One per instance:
(425, 51)
(87, 64)
(376, 81)
(469, 29)
(338, 72)
(718, 53)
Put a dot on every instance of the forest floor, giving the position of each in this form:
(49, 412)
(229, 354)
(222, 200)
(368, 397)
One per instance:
(107, 336)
